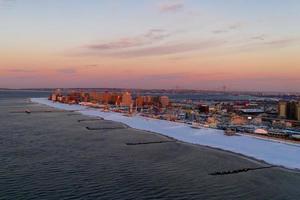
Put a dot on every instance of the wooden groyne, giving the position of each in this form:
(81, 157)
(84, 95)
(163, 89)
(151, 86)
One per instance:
(90, 120)
(41, 111)
(154, 142)
(222, 173)
(104, 128)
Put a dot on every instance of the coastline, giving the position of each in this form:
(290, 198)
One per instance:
(209, 138)
(239, 155)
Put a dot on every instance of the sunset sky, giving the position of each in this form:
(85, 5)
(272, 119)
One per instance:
(251, 45)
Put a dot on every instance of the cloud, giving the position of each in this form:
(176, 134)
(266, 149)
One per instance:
(228, 28)
(67, 71)
(90, 66)
(151, 36)
(259, 37)
(259, 43)
(283, 42)
(158, 50)
(235, 26)
(150, 43)
(219, 31)
(20, 70)
(171, 7)
(167, 49)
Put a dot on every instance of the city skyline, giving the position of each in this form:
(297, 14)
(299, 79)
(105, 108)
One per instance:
(245, 46)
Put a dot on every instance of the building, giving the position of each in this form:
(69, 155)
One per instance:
(95, 97)
(126, 99)
(289, 110)
(106, 97)
(297, 113)
(115, 99)
(156, 101)
(238, 120)
(53, 97)
(139, 101)
(164, 101)
(55, 94)
(202, 108)
(282, 109)
(148, 100)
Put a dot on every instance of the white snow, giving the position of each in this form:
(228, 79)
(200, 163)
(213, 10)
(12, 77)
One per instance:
(271, 151)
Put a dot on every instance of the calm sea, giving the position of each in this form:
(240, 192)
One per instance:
(50, 155)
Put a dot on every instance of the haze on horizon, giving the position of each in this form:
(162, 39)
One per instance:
(191, 44)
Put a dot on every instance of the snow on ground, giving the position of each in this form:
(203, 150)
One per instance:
(270, 151)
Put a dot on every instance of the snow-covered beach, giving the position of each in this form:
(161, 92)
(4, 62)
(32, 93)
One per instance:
(270, 151)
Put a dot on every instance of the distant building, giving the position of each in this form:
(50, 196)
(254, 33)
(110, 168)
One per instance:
(74, 97)
(106, 97)
(202, 108)
(156, 101)
(126, 99)
(55, 94)
(95, 97)
(282, 109)
(115, 99)
(164, 101)
(238, 120)
(53, 97)
(289, 110)
(148, 100)
(139, 101)
(297, 113)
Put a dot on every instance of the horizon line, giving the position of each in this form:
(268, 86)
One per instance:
(167, 89)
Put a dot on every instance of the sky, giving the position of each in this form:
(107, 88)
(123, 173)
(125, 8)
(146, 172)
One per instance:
(241, 45)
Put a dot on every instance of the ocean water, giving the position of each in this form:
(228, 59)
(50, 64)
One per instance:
(50, 155)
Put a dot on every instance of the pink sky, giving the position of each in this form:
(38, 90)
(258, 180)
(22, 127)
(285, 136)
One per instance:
(159, 44)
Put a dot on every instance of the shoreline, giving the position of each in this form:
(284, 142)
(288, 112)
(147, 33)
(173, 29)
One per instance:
(180, 134)
(239, 155)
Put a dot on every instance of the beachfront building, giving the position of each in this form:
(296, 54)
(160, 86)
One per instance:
(126, 99)
(164, 101)
(139, 101)
(148, 100)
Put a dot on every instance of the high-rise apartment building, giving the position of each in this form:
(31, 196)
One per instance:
(126, 99)
(139, 101)
(289, 110)
(164, 101)
(282, 109)
(297, 113)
